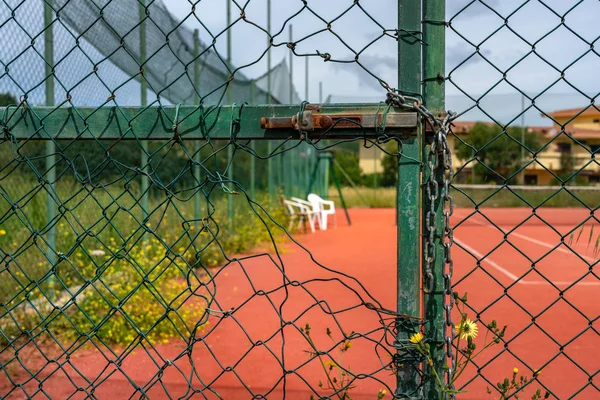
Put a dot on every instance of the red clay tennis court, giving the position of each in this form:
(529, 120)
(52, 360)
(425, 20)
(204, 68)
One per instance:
(528, 280)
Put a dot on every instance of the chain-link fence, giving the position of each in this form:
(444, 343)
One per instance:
(146, 147)
(155, 230)
(526, 232)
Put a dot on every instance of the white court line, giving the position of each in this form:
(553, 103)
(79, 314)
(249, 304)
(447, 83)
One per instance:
(538, 242)
(514, 277)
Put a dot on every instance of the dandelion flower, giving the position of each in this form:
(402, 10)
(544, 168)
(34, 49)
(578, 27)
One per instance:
(515, 370)
(537, 372)
(2, 232)
(330, 365)
(416, 338)
(467, 329)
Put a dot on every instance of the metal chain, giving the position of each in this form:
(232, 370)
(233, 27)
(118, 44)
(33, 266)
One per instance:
(439, 156)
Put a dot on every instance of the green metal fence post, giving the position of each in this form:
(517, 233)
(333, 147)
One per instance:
(144, 102)
(230, 145)
(197, 198)
(307, 149)
(293, 153)
(336, 181)
(270, 172)
(325, 188)
(408, 201)
(50, 145)
(434, 32)
(253, 147)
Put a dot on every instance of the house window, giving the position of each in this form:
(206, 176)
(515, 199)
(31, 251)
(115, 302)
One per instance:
(531, 179)
(563, 147)
(595, 147)
(594, 178)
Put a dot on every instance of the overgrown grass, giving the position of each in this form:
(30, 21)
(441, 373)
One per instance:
(386, 198)
(117, 278)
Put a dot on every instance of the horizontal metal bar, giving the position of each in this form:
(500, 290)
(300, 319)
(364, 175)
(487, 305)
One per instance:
(188, 122)
(524, 187)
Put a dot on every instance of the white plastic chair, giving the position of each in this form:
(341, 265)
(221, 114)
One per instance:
(323, 208)
(301, 213)
(316, 215)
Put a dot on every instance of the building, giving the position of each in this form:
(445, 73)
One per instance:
(370, 159)
(576, 131)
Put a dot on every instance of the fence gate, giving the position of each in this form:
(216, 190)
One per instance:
(144, 244)
(146, 250)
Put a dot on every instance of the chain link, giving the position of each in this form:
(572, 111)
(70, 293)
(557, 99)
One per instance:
(439, 160)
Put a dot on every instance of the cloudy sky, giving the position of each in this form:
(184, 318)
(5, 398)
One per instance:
(505, 49)
(495, 49)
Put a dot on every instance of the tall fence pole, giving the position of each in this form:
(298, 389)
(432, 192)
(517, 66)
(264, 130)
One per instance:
(306, 75)
(321, 92)
(270, 172)
(434, 34)
(144, 102)
(307, 148)
(253, 147)
(197, 142)
(408, 201)
(294, 151)
(230, 145)
(50, 145)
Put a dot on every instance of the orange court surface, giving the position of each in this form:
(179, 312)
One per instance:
(523, 277)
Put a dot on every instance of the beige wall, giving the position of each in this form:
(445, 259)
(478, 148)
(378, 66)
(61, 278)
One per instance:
(370, 159)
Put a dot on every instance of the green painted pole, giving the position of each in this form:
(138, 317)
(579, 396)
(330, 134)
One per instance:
(270, 172)
(144, 102)
(292, 173)
(313, 178)
(197, 197)
(408, 203)
(253, 147)
(375, 171)
(307, 180)
(50, 145)
(325, 169)
(521, 178)
(230, 215)
(352, 183)
(336, 181)
(434, 34)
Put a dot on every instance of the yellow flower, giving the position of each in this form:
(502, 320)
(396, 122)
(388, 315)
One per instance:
(515, 370)
(467, 329)
(330, 365)
(537, 372)
(416, 338)
(2, 232)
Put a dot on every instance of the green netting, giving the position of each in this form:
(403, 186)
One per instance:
(143, 237)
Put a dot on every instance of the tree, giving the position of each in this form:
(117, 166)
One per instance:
(498, 151)
(349, 161)
(567, 165)
(7, 99)
(389, 164)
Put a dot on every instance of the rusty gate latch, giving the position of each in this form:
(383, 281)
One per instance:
(312, 120)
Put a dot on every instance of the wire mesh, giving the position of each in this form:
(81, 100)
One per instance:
(157, 268)
(526, 222)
